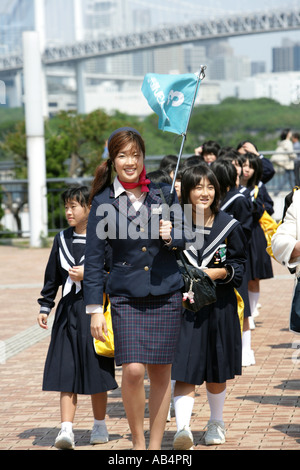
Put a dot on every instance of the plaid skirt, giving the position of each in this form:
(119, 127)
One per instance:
(146, 329)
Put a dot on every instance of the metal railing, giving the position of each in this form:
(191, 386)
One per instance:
(14, 199)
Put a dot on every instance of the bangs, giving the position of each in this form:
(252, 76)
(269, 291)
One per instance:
(124, 139)
(192, 176)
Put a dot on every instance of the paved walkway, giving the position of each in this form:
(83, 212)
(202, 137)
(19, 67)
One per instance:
(262, 410)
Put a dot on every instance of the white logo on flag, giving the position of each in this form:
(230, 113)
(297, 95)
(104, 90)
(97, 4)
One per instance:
(176, 97)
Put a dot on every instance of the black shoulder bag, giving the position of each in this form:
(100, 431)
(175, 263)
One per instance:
(199, 289)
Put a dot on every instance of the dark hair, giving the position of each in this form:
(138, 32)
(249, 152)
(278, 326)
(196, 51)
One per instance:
(211, 146)
(159, 176)
(171, 168)
(284, 134)
(240, 145)
(226, 175)
(117, 141)
(167, 160)
(79, 193)
(241, 159)
(229, 153)
(256, 164)
(192, 161)
(192, 176)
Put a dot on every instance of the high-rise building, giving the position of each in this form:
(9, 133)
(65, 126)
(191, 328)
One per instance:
(287, 57)
(16, 16)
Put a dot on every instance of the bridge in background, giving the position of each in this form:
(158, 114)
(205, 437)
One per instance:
(217, 28)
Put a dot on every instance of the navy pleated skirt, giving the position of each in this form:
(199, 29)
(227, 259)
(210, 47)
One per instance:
(210, 341)
(72, 365)
(146, 329)
(259, 265)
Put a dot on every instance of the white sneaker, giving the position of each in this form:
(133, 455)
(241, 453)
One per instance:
(248, 358)
(65, 440)
(215, 433)
(99, 434)
(183, 439)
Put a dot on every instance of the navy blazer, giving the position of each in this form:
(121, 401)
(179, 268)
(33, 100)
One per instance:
(141, 263)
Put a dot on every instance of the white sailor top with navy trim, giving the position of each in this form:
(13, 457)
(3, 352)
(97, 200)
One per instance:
(67, 251)
(225, 230)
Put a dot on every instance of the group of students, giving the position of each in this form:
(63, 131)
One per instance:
(129, 251)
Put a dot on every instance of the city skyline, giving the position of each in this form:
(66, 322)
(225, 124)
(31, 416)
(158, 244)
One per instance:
(251, 45)
(256, 47)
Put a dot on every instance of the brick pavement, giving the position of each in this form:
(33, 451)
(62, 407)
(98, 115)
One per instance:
(262, 407)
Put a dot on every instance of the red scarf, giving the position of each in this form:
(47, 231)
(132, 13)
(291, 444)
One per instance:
(143, 182)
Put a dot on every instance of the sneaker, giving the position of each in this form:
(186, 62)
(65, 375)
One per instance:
(65, 440)
(99, 434)
(183, 439)
(215, 433)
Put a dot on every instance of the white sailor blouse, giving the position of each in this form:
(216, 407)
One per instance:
(63, 256)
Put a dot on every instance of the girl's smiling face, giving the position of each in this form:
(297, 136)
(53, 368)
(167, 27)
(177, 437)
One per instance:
(203, 195)
(129, 163)
(76, 214)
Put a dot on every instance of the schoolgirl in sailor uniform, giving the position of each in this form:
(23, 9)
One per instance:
(259, 264)
(143, 284)
(209, 346)
(72, 367)
(235, 203)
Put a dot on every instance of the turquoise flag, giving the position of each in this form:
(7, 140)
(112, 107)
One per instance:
(171, 97)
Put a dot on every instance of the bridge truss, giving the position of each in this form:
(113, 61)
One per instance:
(230, 26)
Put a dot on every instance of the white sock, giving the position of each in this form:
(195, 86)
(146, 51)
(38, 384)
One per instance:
(183, 405)
(67, 426)
(246, 340)
(99, 422)
(253, 300)
(216, 403)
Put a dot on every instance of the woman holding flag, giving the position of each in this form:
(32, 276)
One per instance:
(144, 282)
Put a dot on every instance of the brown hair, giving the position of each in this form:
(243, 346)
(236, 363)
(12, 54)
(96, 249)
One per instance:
(117, 141)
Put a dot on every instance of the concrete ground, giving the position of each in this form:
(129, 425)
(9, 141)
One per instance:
(261, 412)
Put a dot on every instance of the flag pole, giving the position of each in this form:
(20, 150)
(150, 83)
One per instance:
(201, 75)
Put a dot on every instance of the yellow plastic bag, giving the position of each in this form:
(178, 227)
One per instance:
(269, 226)
(106, 349)
(240, 309)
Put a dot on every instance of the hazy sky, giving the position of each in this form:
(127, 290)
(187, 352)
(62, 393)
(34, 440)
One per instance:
(257, 47)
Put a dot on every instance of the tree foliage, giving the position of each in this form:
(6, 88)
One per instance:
(75, 142)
